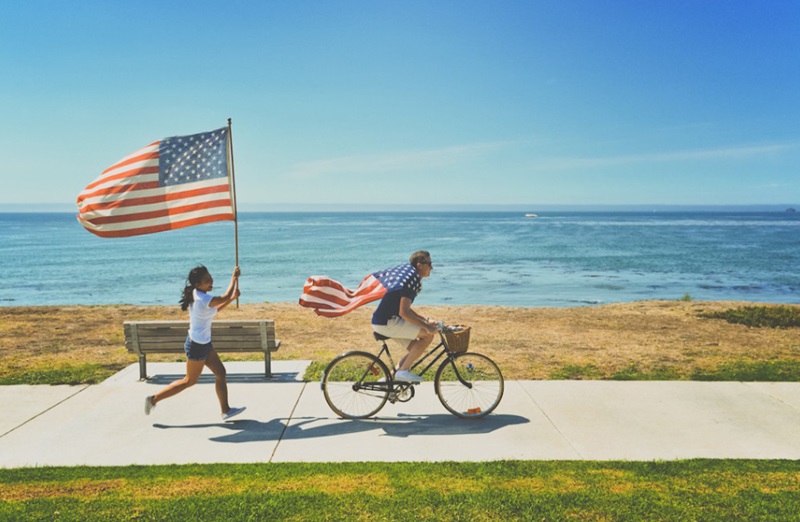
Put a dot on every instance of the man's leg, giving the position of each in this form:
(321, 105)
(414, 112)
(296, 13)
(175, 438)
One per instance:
(415, 350)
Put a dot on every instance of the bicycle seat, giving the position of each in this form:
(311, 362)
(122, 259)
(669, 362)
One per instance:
(379, 337)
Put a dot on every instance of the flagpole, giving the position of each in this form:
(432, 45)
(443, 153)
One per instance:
(233, 198)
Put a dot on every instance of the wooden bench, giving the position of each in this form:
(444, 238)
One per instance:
(257, 335)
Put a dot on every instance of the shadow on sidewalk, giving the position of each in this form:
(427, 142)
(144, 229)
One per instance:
(208, 378)
(313, 427)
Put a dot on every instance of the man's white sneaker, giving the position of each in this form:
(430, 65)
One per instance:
(148, 404)
(407, 376)
(233, 412)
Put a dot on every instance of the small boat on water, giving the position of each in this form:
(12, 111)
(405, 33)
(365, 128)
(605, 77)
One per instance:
(531, 215)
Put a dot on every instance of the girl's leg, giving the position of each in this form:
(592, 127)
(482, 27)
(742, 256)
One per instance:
(193, 371)
(215, 365)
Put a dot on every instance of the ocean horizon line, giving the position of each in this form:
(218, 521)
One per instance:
(248, 208)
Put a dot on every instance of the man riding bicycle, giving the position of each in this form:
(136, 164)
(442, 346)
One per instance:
(394, 317)
(357, 384)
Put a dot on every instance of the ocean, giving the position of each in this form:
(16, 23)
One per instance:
(558, 259)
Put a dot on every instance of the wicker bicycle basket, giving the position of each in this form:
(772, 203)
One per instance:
(457, 341)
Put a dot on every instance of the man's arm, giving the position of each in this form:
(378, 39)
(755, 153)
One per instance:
(410, 316)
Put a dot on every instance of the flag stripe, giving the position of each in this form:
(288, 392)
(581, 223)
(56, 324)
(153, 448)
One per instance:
(158, 203)
(151, 197)
(146, 157)
(171, 183)
(330, 298)
(169, 211)
(136, 222)
(119, 189)
(151, 229)
(111, 179)
(157, 221)
(141, 155)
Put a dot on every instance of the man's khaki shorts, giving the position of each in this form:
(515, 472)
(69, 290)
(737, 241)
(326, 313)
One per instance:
(400, 331)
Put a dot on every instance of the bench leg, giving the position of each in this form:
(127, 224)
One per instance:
(143, 367)
(267, 366)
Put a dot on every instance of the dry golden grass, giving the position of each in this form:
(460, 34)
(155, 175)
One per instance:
(527, 343)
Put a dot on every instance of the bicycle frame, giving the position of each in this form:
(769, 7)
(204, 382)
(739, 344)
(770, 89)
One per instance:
(442, 352)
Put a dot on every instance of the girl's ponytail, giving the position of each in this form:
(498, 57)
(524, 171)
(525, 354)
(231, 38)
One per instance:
(195, 275)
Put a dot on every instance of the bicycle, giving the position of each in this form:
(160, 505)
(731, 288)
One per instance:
(357, 384)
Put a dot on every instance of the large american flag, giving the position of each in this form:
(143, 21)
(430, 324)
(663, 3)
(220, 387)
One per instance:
(172, 183)
(330, 298)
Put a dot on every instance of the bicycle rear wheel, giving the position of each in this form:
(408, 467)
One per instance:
(469, 385)
(355, 385)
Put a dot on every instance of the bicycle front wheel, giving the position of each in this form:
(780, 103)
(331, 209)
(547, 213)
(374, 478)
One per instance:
(469, 385)
(355, 385)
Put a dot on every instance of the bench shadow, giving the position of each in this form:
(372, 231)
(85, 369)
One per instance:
(317, 427)
(208, 378)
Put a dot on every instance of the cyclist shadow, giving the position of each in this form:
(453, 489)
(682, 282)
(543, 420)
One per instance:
(403, 425)
(446, 424)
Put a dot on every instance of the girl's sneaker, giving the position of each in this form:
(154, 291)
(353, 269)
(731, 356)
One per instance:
(233, 412)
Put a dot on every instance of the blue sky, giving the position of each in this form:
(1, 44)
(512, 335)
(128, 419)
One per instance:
(413, 102)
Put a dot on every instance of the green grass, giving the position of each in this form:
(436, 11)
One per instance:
(783, 316)
(75, 374)
(766, 371)
(314, 371)
(574, 372)
(506, 490)
(634, 373)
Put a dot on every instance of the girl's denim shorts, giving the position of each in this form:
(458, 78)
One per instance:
(196, 351)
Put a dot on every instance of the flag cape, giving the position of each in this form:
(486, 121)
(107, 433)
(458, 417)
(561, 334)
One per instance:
(172, 183)
(330, 298)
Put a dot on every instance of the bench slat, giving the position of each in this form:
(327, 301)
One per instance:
(145, 336)
(167, 345)
(185, 323)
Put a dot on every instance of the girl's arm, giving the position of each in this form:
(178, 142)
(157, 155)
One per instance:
(233, 297)
(230, 294)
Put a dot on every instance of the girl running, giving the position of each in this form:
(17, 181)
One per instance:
(199, 349)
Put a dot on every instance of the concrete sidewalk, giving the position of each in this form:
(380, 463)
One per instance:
(287, 420)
